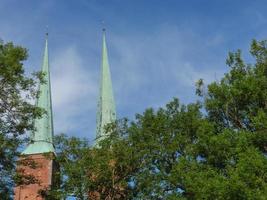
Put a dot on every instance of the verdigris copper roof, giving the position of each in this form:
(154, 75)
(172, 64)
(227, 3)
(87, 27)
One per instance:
(106, 112)
(42, 137)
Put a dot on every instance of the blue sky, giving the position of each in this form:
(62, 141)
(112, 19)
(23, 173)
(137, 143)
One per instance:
(157, 49)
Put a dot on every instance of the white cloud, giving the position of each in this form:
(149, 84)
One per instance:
(152, 68)
(74, 91)
(147, 70)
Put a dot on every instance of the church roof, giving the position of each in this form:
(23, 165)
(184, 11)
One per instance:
(42, 136)
(106, 112)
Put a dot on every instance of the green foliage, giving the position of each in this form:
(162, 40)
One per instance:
(238, 101)
(176, 152)
(87, 171)
(72, 154)
(16, 111)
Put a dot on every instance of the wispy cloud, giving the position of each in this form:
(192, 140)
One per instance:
(74, 91)
(149, 69)
(155, 51)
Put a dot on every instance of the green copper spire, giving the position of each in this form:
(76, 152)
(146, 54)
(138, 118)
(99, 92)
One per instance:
(42, 137)
(106, 107)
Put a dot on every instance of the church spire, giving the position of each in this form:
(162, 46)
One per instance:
(106, 112)
(42, 137)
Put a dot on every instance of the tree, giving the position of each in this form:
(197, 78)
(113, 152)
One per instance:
(239, 100)
(17, 90)
(218, 156)
(101, 172)
(179, 151)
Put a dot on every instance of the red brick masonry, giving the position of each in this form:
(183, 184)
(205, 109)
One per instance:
(42, 171)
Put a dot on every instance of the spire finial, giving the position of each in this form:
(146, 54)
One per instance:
(46, 33)
(103, 26)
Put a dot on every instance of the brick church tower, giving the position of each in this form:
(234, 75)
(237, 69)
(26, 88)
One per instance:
(40, 153)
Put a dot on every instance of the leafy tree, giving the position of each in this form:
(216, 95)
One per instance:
(238, 101)
(72, 155)
(101, 172)
(17, 90)
(179, 151)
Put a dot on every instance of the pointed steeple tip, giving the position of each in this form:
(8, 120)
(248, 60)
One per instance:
(106, 111)
(42, 136)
